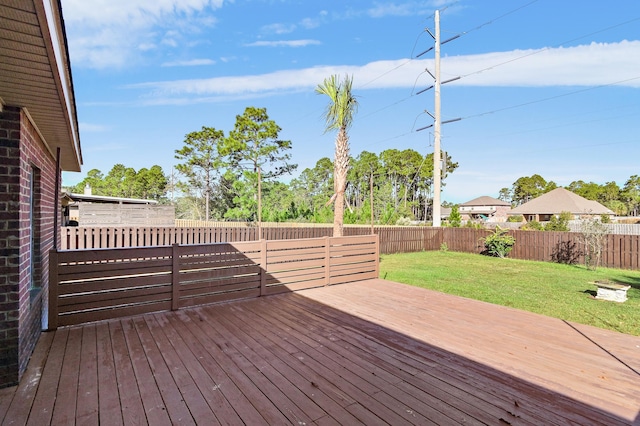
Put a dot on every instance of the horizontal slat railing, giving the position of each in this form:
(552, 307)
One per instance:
(93, 285)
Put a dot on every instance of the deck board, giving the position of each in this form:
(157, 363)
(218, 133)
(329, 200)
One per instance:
(131, 407)
(371, 352)
(64, 410)
(87, 403)
(42, 407)
(109, 401)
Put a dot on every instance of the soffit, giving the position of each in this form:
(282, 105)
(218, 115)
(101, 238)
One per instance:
(35, 73)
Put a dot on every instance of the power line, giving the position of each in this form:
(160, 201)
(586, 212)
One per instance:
(494, 66)
(443, 42)
(551, 47)
(551, 98)
(491, 21)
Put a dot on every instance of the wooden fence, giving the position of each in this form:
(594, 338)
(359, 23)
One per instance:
(620, 251)
(97, 284)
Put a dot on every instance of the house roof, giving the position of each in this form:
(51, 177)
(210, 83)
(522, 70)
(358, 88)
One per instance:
(561, 200)
(35, 73)
(485, 201)
(72, 197)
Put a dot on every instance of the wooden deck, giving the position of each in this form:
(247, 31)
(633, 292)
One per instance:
(371, 352)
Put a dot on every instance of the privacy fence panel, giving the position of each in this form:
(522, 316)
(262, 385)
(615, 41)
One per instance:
(619, 251)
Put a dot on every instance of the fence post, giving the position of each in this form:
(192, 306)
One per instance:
(263, 267)
(175, 277)
(327, 261)
(54, 281)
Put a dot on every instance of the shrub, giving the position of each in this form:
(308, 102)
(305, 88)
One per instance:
(532, 226)
(455, 219)
(593, 236)
(403, 221)
(559, 223)
(605, 218)
(515, 218)
(498, 244)
(473, 225)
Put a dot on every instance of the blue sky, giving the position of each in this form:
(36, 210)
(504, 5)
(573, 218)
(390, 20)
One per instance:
(548, 87)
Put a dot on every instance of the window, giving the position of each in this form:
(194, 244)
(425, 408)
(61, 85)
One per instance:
(35, 257)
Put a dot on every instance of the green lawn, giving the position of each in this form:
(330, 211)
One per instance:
(560, 291)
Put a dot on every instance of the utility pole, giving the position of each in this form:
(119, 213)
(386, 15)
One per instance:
(438, 168)
(371, 197)
(436, 128)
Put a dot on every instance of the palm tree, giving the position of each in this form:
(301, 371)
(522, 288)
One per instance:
(339, 116)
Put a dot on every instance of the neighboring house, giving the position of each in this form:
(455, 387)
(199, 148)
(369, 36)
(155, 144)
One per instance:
(38, 139)
(98, 210)
(485, 208)
(559, 200)
(445, 212)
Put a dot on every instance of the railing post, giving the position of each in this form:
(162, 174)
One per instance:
(54, 280)
(327, 261)
(175, 277)
(263, 267)
(377, 244)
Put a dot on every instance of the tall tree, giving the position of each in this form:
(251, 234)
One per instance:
(505, 195)
(529, 187)
(201, 161)
(153, 183)
(338, 116)
(253, 147)
(631, 194)
(312, 189)
(95, 182)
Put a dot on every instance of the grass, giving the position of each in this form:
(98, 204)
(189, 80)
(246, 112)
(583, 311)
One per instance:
(555, 290)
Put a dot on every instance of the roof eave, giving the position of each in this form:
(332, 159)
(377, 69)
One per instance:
(36, 74)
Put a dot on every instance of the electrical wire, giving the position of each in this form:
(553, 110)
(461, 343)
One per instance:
(491, 21)
(550, 47)
(562, 95)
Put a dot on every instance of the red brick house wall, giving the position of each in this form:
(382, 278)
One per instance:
(27, 198)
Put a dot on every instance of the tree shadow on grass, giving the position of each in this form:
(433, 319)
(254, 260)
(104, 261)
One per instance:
(634, 282)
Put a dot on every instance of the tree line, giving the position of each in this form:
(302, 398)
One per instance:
(125, 182)
(219, 177)
(622, 201)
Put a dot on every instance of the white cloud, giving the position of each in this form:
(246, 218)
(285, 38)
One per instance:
(283, 43)
(279, 28)
(93, 128)
(391, 9)
(110, 33)
(588, 65)
(189, 63)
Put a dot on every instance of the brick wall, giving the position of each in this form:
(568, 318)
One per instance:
(23, 155)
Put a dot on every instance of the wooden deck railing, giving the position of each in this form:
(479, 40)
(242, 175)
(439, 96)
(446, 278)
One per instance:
(91, 285)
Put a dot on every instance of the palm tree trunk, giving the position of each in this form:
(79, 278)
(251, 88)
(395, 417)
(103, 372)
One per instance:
(341, 167)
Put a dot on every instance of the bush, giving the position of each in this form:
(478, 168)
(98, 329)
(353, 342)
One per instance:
(498, 244)
(455, 219)
(516, 218)
(559, 223)
(532, 226)
(473, 225)
(403, 221)
(593, 237)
